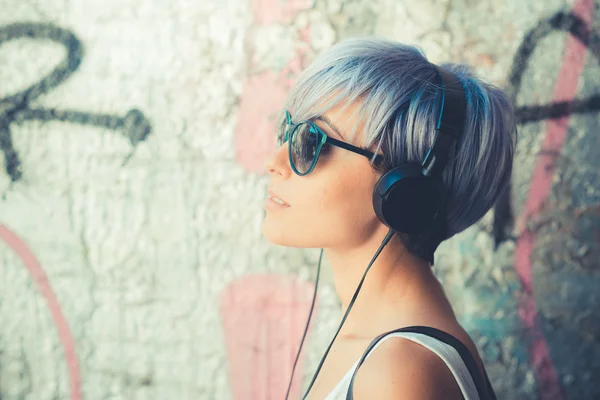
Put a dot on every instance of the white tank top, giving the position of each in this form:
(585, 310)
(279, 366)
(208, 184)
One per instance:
(446, 352)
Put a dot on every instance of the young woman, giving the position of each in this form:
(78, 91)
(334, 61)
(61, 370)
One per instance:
(361, 109)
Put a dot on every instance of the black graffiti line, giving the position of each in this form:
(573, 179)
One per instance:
(578, 28)
(529, 114)
(58, 75)
(16, 108)
(134, 123)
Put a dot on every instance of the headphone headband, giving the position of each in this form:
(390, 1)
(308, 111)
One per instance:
(410, 197)
(450, 123)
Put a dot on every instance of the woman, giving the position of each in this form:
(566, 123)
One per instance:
(381, 102)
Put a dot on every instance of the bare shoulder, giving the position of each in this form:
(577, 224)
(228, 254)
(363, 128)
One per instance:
(400, 368)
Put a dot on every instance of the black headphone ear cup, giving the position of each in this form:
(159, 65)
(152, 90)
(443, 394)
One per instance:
(407, 201)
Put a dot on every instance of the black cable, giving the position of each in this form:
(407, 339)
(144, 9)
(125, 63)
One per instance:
(385, 241)
(307, 325)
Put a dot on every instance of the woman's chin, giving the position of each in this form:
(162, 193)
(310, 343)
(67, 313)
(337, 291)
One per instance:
(275, 235)
(280, 236)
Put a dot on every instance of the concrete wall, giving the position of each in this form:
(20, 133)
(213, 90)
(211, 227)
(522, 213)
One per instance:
(132, 137)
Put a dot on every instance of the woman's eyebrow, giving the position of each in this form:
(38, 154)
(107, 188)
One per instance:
(330, 124)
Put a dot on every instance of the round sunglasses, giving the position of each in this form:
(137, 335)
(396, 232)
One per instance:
(306, 142)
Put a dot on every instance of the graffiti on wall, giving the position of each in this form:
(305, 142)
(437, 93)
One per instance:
(578, 28)
(43, 285)
(18, 108)
(582, 40)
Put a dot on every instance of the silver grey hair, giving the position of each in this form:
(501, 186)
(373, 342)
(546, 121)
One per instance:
(398, 92)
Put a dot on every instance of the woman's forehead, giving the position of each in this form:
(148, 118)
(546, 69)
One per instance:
(345, 120)
(343, 110)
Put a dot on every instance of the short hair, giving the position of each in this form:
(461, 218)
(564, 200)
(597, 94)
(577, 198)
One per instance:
(398, 90)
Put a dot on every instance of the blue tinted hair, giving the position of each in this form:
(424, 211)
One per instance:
(398, 95)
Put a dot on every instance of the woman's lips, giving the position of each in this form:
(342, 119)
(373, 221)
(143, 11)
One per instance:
(276, 199)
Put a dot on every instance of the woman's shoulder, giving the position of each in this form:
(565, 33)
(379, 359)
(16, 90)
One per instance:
(451, 326)
(401, 368)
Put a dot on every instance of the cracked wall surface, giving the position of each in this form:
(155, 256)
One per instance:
(132, 142)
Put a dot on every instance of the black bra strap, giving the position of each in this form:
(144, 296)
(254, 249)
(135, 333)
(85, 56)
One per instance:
(483, 385)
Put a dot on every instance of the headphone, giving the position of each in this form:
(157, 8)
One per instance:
(410, 197)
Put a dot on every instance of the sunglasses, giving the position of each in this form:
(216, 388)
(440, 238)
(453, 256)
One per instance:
(308, 141)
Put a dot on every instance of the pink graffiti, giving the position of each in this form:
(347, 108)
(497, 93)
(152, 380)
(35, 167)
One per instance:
(41, 280)
(263, 93)
(263, 316)
(541, 184)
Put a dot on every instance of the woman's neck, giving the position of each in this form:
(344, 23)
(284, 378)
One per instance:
(389, 290)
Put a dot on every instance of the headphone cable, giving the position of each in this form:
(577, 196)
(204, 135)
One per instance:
(385, 241)
(307, 325)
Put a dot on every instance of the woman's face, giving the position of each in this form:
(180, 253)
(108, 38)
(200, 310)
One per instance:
(330, 207)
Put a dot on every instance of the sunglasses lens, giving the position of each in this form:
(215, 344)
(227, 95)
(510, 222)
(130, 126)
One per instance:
(305, 144)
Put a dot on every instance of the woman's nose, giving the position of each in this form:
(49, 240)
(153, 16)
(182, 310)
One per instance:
(277, 162)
